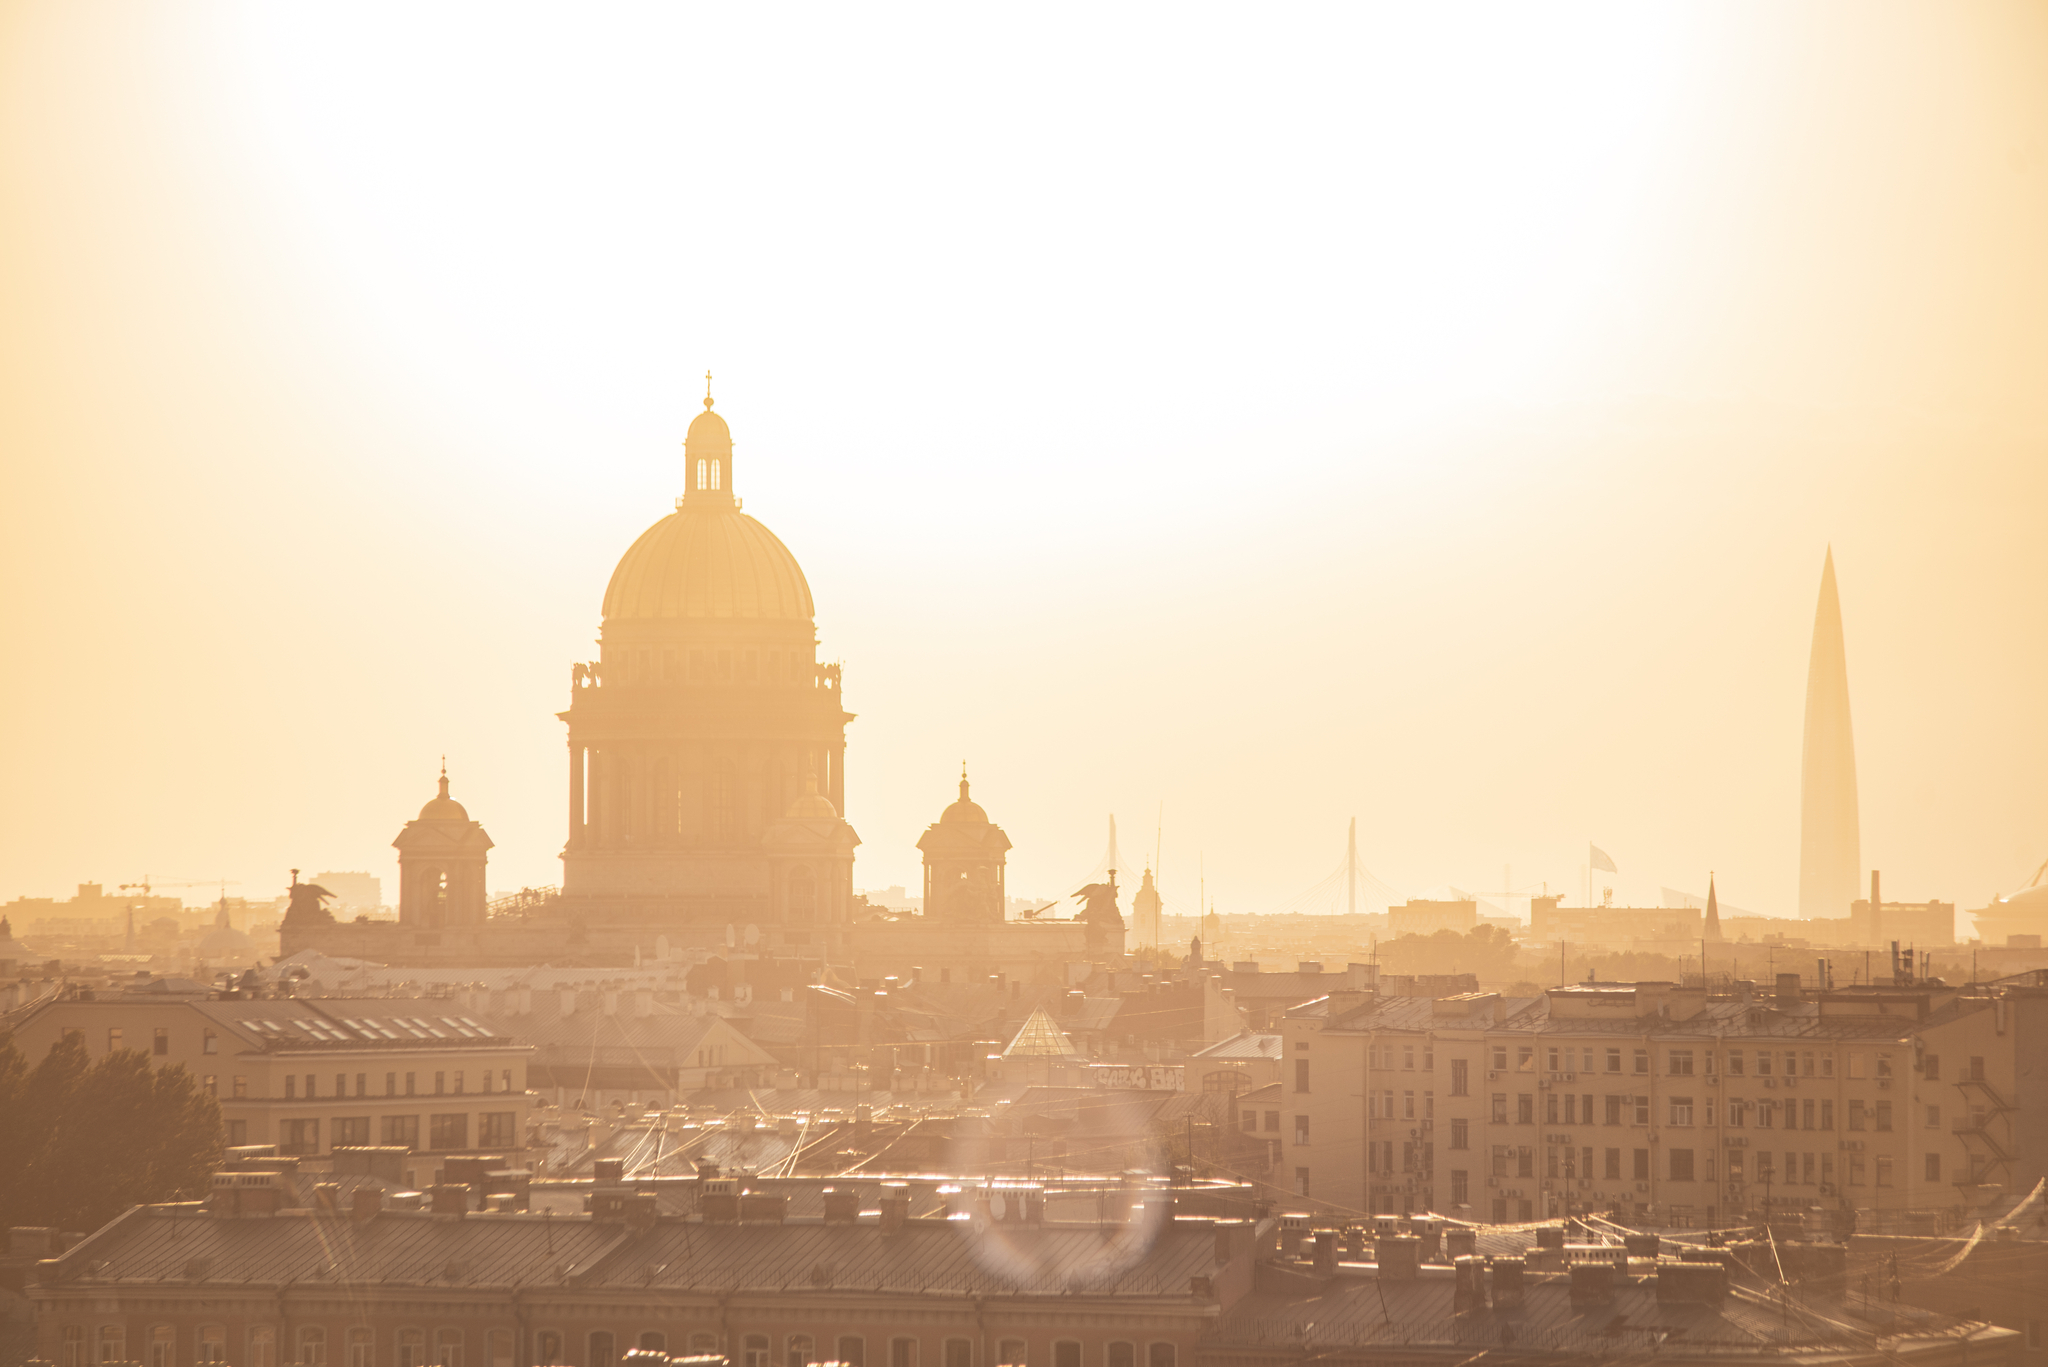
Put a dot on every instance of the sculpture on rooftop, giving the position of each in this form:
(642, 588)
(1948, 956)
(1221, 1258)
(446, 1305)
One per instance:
(307, 905)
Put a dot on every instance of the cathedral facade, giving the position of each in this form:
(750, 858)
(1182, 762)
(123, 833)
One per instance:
(706, 780)
(707, 744)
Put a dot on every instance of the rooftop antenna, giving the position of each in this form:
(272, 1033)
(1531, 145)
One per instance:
(1351, 870)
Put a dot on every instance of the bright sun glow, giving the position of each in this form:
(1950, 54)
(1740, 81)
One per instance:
(564, 223)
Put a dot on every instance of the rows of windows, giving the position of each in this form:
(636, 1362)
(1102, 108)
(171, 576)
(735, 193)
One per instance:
(311, 1346)
(1570, 1108)
(445, 1133)
(1390, 1056)
(446, 1083)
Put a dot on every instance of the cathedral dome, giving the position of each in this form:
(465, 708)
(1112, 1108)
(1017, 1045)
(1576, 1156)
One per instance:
(442, 807)
(965, 809)
(707, 559)
(707, 562)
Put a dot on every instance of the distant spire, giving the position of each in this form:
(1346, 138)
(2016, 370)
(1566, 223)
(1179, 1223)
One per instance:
(1830, 854)
(1713, 926)
(707, 389)
(963, 780)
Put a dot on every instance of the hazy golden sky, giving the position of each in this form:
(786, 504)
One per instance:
(1430, 414)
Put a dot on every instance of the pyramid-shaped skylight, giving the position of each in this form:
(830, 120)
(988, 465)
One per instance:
(1040, 1037)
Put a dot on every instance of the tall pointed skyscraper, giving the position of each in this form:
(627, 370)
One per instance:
(1830, 857)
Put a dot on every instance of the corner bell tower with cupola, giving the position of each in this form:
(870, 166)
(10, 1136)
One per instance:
(965, 857)
(441, 856)
(704, 723)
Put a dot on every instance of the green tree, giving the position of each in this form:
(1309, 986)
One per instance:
(83, 1141)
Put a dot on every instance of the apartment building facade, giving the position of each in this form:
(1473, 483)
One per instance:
(291, 1073)
(1656, 1101)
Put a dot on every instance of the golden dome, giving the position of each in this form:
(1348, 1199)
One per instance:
(964, 809)
(707, 562)
(443, 807)
(707, 559)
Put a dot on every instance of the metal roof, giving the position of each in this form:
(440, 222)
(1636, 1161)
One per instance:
(157, 1244)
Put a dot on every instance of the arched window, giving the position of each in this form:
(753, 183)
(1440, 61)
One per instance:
(853, 1351)
(548, 1347)
(412, 1343)
(1160, 1355)
(756, 1351)
(362, 1347)
(163, 1345)
(72, 1352)
(714, 472)
(703, 1343)
(312, 1345)
(447, 1348)
(802, 1351)
(600, 1349)
(701, 468)
(213, 1343)
(113, 1343)
(263, 1346)
(1066, 1353)
(1012, 1353)
(959, 1353)
(501, 1348)
(654, 1341)
(1121, 1355)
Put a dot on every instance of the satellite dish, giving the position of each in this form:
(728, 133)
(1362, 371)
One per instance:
(753, 934)
(732, 935)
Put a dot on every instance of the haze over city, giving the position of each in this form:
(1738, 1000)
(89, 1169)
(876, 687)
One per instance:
(1431, 416)
(1082, 686)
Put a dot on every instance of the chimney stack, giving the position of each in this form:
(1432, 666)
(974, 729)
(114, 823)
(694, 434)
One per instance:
(1507, 1283)
(1468, 1291)
(1325, 1256)
(1592, 1283)
(1400, 1256)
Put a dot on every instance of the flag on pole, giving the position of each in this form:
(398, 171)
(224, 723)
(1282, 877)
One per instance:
(1600, 859)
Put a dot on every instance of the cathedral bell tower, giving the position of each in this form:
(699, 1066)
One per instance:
(964, 855)
(441, 856)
